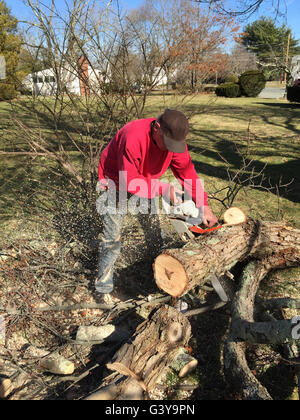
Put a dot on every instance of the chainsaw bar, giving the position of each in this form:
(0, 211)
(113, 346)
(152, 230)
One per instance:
(182, 229)
(216, 284)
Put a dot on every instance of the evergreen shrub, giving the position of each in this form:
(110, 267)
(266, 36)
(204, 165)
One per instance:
(229, 90)
(252, 82)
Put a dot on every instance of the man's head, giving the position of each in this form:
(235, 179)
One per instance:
(170, 130)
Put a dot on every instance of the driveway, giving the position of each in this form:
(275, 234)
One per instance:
(272, 93)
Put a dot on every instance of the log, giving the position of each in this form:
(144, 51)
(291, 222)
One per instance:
(142, 361)
(5, 387)
(108, 333)
(176, 271)
(51, 362)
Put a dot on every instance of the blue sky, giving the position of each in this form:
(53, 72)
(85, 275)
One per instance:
(292, 19)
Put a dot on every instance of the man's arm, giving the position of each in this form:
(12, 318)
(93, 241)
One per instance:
(184, 170)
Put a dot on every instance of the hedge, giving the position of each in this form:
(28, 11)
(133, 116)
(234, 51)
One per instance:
(229, 90)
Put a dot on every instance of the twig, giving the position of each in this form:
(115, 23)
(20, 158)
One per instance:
(120, 306)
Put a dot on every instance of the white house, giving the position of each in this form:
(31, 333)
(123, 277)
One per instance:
(295, 65)
(160, 76)
(80, 81)
(41, 83)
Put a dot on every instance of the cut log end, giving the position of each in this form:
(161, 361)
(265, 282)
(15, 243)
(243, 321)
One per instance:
(183, 363)
(170, 275)
(234, 216)
(174, 332)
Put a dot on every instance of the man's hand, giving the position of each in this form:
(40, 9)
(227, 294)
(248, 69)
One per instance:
(209, 219)
(174, 193)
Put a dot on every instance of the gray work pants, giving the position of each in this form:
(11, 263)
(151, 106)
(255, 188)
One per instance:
(110, 242)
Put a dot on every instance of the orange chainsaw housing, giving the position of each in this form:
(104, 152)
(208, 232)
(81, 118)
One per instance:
(197, 229)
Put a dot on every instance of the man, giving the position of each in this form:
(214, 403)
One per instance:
(133, 162)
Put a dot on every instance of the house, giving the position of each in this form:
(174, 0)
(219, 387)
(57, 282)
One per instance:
(161, 78)
(41, 83)
(81, 80)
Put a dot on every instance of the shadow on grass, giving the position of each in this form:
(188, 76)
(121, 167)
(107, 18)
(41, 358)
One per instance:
(276, 174)
(290, 106)
(15, 187)
(288, 112)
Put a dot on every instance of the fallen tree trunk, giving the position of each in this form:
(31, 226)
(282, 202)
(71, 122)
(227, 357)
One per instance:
(160, 341)
(177, 271)
(141, 362)
(243, 329)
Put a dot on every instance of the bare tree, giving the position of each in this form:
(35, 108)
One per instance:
(192, 39)
(106, 52)
(245, 8)
(240, 60)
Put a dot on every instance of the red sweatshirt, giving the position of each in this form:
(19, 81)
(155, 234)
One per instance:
(133, 159)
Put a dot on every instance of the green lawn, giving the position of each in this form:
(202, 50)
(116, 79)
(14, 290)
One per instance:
(267, 130)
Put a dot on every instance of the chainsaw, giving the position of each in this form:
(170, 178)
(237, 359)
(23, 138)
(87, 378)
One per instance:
(186, 219)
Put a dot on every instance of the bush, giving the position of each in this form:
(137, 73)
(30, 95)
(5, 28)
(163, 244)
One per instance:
(7, 91)
(232, 79)
(229, 90)
(252, 82)
(293, 93)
